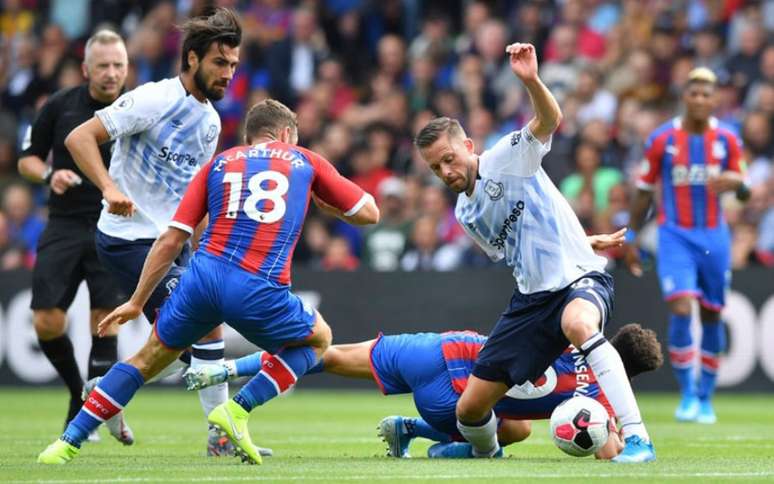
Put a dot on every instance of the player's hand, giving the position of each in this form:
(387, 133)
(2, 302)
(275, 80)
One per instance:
(523, 61)
(120, 315)
(608, 241)
(62, 180)
(723, 183)
(632, 259)
(118, 203)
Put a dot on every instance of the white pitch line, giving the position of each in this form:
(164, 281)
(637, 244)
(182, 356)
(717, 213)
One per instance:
(404, 477)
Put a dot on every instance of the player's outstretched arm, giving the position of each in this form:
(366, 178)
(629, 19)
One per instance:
(83, 143)
(640, 206)
(608, 241)
(366, 214)
(548, 115)
(160, 258)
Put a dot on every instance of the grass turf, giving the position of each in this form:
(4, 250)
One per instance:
(330, 437)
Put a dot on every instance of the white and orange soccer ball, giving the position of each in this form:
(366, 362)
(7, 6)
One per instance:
(579, 426)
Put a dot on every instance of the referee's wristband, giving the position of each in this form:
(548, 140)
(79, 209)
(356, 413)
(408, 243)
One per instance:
(631, 236)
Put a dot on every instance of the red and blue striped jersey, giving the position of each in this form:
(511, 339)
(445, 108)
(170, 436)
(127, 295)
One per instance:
(683, 162)
(257, 198)
(568, 376)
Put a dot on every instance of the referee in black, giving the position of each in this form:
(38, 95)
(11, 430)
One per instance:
(66, 254)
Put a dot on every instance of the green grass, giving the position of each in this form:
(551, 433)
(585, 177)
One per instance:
(330, 437)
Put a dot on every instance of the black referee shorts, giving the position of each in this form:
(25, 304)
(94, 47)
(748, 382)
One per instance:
(66, 256)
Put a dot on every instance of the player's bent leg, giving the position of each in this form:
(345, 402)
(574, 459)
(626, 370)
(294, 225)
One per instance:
(208, 351)
(349, 360)
(580, 322)
(50, 326)
(109, 397)
(279, 373)
(475, 418)
(512, 431)
(712, 344)
(682, 355)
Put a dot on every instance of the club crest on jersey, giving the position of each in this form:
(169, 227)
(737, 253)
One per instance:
(494, 190)
(515, 138)
(212, 133)
(125, 102)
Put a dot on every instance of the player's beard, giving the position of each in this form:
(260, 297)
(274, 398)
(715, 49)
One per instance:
(201, 84)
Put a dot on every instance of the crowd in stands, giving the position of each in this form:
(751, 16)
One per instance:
(364, 76)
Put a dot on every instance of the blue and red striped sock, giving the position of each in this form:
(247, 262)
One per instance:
(279, 373)
(113, 392)
(681, 352)
(712, 343)
(250, 365)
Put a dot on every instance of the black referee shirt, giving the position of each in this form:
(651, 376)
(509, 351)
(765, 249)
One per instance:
(63, 112)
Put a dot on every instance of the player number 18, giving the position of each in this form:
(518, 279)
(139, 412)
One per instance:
(257, 193)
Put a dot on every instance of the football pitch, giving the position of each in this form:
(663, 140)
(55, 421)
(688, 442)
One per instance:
(329, 436)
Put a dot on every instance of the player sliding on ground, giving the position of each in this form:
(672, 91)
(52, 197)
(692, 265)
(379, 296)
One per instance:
(257, 197)
(563, 295)
(436, 367)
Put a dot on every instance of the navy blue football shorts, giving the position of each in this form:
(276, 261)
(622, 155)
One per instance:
(528, 336)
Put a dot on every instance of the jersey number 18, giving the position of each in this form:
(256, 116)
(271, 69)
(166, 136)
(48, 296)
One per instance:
(257, 193)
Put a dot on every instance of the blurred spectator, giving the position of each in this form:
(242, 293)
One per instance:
(708, 46)
(11, 252)
(24, 225)
(759, 146)
(590, 177)
(589, 44)
(596, 102)
(435, 205)
(339, 257)
(744, 66)
(560, 72)
(292, 62)
(368, 168)
(385, 242)
(428, 253)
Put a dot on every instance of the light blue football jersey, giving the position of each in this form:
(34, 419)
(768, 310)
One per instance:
(516, 213)
(163, 135)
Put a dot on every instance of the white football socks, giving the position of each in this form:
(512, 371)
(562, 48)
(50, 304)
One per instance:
(213, 396)
(609, 370)
(483, 438)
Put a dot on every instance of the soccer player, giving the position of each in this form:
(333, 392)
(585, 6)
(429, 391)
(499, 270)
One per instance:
(163, 132)
(435, 369)
(695, 159)
(257, 197)
(510, 207)
(66, 252)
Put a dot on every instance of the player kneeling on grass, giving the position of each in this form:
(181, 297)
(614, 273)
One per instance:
(435, 368)
(256, 197)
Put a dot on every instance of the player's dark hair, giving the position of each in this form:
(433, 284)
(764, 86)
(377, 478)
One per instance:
(268, 118)
(639, 348)
(199, 33)
(435, 129)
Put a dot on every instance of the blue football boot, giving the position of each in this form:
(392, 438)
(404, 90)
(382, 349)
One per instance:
(636, 451)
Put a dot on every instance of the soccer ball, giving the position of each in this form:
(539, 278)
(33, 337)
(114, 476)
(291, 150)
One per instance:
(579, 426)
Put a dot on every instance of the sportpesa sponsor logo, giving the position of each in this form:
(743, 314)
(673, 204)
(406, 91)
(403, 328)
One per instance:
(507, 228)
(179, 158)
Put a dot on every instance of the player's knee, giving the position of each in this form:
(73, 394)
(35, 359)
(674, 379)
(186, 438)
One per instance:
(681, 306)
(512, 431)
(469, 410)
(49, 323)
(578, 330)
